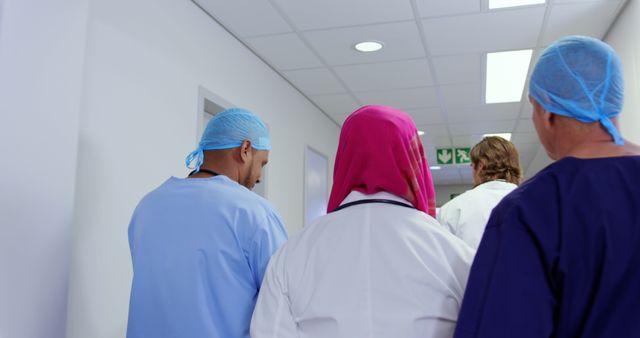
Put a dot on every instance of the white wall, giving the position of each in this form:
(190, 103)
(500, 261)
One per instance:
(145, 60)
(41, 61)
(624, 37)
(443, 192)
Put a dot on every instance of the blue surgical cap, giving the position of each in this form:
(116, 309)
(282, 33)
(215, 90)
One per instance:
(580, 77)
(228, 129)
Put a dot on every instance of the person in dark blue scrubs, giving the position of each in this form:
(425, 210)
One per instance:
(560, 256)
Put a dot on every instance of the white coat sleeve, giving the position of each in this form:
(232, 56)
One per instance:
(272, 317)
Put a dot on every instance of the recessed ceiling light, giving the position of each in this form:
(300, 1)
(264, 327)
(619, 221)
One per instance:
(435, 167)
(506, 75)
(495, 4)
(506, 136)
(420, 132)
(368, 46)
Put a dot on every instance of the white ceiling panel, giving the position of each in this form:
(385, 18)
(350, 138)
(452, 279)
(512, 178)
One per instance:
(457, 69)
(462, 95)
(401, 42)
(466, 140)
(336, 104)
(315, 81)
(529, 148)
(387, 75)
(524, 138)
(427, 8)
(438, 141)
(426, 116)
(483, 112)
(568, 19)
(233, 15)
(490, 31)
(318, 14)
(434, 131)
(482, 127)
(273, 48)
(525, 126)
(339, 119)
(402, 99)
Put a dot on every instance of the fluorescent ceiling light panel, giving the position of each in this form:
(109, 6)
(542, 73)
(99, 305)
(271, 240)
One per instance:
(506, 75)
(506, 136)
(495, 4)
(368, 46)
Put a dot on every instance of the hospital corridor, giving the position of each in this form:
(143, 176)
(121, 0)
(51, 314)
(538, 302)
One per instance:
(319, 168)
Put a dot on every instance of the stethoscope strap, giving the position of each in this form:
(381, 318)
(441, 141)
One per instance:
(350, 204)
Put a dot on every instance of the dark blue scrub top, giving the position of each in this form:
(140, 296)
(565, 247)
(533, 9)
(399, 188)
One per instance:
(560, 256)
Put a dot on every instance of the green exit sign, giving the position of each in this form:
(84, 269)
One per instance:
(453, 155)
(444, 156)
(463, 155)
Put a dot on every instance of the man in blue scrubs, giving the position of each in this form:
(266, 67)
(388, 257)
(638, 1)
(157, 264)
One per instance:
(200, 245)
(560, 256)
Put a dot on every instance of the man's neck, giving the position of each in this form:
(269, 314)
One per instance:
(207, 168)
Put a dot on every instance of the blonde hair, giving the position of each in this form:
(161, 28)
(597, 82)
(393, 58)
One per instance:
(499, 159)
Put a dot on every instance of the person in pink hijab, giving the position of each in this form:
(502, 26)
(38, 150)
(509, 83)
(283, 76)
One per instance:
(378, 264)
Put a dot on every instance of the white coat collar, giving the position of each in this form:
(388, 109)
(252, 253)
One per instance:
(356, 196)
(496, 185)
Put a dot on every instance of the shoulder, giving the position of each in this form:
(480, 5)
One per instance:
(536, 198)
(458, 201)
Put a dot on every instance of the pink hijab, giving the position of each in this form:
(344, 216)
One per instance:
(380, 150)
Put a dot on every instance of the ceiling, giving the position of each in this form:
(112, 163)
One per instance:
(432, 65)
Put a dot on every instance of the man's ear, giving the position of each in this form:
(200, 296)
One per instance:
(245, 151)
(548, 119)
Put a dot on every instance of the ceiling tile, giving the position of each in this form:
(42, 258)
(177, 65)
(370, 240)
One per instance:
(265, 19)
(588, 18)
(482, 127)
(483, 112)
(297, 54)
(428, 8)
(401, 41)
(524, 138)
(426, 116)
(525, 126)
(315, 81)
(490, 31)
(462, 95)
(387, 75)
(401, 99)
(318, 14)
(466, 140)
(336, 104)
(438, 141)
(529, 148)
(458, 69)
(434, 131)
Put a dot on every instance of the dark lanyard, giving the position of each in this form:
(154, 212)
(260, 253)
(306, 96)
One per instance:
(350, 204)
(204, 171)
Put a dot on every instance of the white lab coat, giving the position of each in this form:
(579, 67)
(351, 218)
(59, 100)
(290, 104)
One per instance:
(369, 270)
(466, 215)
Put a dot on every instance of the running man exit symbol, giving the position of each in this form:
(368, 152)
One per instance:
(462, 155)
